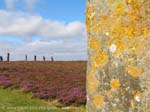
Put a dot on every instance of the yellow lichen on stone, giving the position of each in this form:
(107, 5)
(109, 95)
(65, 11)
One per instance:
(94, 43)
(91, 89)
(120, 46)
(90, 16)
(135, 4)
(134, 10)
(98, 100)
(129, 31)
(145, 32)
(93, 69)
(93, 83)
(120, 9)
(92, 86)
(117, 29)
(115, 83)
(100, 58)
(129, 1)
(96, 28)
(90, 78)
(112, 1)
(104, 18)
(134, 47)
(134, 71)
(122, 27)
(106, 21)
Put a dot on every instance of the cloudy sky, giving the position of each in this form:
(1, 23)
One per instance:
(43, 28)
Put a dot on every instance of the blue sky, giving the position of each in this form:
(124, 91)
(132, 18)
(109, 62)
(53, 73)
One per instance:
(43, 27)
(63, 10)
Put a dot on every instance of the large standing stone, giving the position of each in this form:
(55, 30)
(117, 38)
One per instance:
(118, 75)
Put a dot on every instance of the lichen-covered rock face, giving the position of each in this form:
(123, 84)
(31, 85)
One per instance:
(118, 74)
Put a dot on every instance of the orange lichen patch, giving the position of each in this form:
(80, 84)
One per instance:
(145, 32)
(94, 43)
(134, 10)
(90, 10)
(88, 25)
(138, 31)
(115, 83)
(134, 46)
(90, 16)
(90, 78)
(92, 82)
(129, 31)
(133, 2)
(120, 9)
(105, 22)
(136, 93)
(132, 17)
(135, 5)
(134, 71)
(120, 45)
(112, 1)
(104, 18)
(92, 69)
(118, 29)
(100, 58)
(98, 100)
(129, 1)
(92, 86)
(96, 28)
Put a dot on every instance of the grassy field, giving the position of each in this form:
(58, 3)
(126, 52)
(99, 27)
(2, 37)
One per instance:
(17, 101)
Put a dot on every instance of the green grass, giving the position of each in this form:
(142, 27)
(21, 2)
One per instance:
(16, 101)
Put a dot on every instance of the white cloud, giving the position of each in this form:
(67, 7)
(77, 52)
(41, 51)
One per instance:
(59, 50)
(23, 25)
(6, 46)
(11, 4)
(58, 39)
(30, 3)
